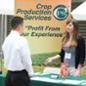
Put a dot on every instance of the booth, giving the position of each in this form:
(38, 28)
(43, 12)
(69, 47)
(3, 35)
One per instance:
(49, 79)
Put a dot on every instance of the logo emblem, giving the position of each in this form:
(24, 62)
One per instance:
(61, 12)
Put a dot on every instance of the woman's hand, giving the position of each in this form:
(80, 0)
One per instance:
(64, 70)
(47, 61)
(50, 59)
(77, 72)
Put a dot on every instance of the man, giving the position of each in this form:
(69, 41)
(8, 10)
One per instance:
(17, 59)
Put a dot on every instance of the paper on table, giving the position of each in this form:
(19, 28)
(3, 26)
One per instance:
(72, 82)
(46, 79)
(83, 82)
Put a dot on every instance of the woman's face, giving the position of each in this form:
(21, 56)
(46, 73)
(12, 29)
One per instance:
(70, 27)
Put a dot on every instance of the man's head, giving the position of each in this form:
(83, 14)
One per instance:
(17, 24)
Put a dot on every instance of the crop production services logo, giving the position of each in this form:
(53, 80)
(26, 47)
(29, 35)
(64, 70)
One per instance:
(61, 12)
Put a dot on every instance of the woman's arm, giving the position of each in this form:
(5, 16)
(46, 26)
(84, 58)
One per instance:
(81, 48)
(82, 51)
(62, 55)
(50, 59)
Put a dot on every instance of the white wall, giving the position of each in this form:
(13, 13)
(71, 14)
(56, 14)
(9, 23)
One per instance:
(7, 7)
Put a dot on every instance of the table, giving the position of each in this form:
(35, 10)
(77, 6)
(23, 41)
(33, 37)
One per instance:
(52, 80)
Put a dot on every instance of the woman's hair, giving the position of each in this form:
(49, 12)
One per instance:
(75, 34)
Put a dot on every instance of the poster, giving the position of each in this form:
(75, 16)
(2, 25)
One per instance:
(44, 24)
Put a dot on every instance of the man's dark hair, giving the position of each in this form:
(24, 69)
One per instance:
(16, 21)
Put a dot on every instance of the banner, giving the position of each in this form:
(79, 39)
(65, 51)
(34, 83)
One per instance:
(44, 23)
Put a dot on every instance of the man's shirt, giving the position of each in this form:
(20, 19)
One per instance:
(16, 52)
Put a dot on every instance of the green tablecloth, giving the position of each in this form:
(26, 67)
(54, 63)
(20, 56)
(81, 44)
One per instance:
(50, 80)
(2, 80)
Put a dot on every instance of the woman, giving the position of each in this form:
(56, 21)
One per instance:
(73, 50)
